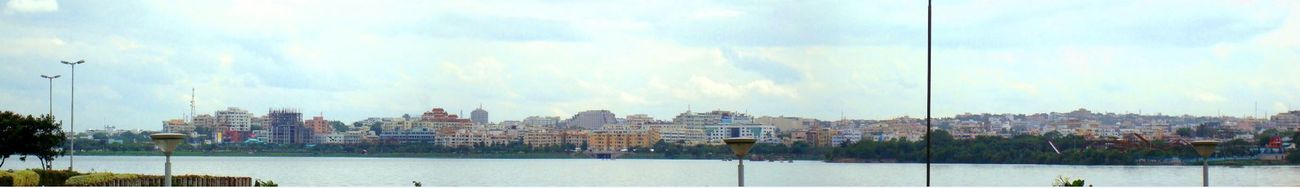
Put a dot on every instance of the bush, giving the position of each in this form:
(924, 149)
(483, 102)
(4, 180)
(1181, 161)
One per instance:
(25, 178)
(6, 180)
(268, 183)
(54, 177)
(95, 178)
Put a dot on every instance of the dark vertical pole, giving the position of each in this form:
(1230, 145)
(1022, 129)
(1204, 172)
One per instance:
(929, 12)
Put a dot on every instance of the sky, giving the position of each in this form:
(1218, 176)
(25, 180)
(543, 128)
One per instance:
(349, 60)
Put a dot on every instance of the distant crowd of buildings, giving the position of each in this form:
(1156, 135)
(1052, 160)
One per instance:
(602, 130)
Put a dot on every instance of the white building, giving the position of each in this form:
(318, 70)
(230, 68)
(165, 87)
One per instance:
(762, 133)
(234, 118)
(548, 121)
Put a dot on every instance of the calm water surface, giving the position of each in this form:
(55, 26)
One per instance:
(331, 171)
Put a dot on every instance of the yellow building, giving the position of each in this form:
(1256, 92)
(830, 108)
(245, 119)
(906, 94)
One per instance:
(614, 140)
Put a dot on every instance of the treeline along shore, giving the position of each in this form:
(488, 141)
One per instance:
(1021, 149)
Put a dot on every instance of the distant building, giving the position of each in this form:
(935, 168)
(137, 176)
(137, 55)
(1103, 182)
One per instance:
(762, 133)
(591, 119)
(287, 127)
(234, 119)
(318, 125)
(786, 123)
(717, 117)
(177, 126)
(1286, 120)
(549, 121)
(413, 135)
(205, 122)
(479, 116)
(615, 140)
(440, 115)
(638, 119)
(542, 138)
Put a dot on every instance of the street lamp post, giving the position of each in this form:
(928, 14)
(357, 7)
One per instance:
(740, 146)
(167, 143)
(72, 128)
(51, 78)
(1205, 148)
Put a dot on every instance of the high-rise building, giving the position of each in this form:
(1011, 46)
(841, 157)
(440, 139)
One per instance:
(318, 125)
(637, 119)
(591, 119)
(548, 121)
(479, 116)
(234, 119)
(717, 117)
(286, 127)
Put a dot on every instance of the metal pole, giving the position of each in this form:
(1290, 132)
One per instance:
(740, 169)
(1205, 171)
(73, 127)
(51, 96)
(929, 12)
(167, 176)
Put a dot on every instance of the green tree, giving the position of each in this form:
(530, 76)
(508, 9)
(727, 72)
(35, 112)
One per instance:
(1184, 132)
(30, 136)
(339, 126)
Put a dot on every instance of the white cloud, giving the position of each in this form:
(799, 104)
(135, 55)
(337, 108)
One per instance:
(31, 6)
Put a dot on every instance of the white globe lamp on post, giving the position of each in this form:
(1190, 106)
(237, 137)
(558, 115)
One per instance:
(167, 142)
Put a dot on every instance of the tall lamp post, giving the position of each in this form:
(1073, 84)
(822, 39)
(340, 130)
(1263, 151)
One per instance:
(740, 146)
(72, 128)
(167, 143)
(51, 78)
(1205, 148)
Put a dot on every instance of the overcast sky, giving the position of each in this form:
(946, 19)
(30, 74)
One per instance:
(350, 60)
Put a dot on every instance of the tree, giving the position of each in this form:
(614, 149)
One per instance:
(35, 136)
(1184, 132)
(339, 126)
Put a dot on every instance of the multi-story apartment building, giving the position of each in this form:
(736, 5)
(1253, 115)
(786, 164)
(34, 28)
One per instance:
(412, 135)
(542, 138)
(205, 122)
(616, 140)
(318, 125)
(1286, 120)
(177, 126)
(712, 118)
(678, 133)
(762, 133)
(234, 119)
(637, 119)
(549, 121)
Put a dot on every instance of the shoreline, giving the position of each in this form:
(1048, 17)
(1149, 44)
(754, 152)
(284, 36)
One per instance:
(579, 156)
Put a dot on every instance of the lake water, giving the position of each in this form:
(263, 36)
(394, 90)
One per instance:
(331, 171)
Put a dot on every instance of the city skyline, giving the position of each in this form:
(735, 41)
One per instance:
(519, 59)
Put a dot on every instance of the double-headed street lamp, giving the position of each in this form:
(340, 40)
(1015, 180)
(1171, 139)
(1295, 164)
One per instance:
(72, 128)
(51, 78)
(740, 146)
(167, 142)
(1205, 148)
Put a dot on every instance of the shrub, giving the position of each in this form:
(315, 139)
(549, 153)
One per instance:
(1062, 181)
(95, 178)
(25, 178)
(6, 180)
(267, 183)
(54, 177)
